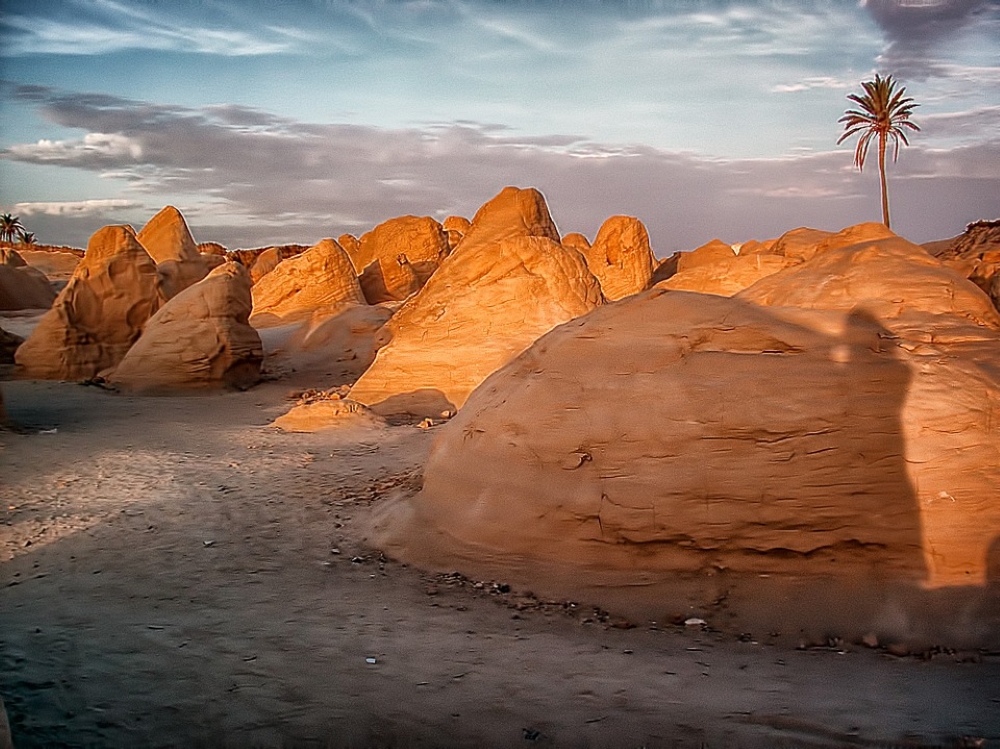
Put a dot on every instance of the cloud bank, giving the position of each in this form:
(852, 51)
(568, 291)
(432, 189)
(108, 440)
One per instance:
(247, 177)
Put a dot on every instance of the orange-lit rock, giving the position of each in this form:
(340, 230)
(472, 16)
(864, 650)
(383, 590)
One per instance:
(397, 257)
(321, 277)
(22, 286)
(620, 257)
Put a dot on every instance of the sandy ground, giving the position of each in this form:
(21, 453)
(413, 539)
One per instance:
(175, 572)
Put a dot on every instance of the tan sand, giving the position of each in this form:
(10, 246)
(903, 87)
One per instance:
(177, 573)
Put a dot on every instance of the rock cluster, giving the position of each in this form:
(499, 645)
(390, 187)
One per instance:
(832, 426)
(99, 314)
(507, 283)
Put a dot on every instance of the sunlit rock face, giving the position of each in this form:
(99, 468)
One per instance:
(200, 338)
(831, 464)
(620, 257)
(397, 257)
(500, 290)
(22, 286)
(321, 277)
(99, 314)
(167, 239)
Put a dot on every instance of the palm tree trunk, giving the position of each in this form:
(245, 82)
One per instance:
(881, 174)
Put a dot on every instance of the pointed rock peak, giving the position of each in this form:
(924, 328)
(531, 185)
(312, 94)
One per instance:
(166, 237)
(513, 212)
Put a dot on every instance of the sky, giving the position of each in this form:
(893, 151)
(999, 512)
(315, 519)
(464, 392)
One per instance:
(269, 122)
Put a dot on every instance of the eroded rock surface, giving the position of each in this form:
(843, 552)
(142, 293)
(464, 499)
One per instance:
(321, 277)
(199, 339)
(620, 257)
(168, 241)
(99, 314)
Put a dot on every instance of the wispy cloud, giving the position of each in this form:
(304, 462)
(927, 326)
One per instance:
(807, 84)
(76, 207)
(98, 27)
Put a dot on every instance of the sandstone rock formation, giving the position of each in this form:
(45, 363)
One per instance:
(21, 286)
(514, 212)
(101, 312)
(892, 278)
(396, 258)
(620, 257)
(673, 448)
(728, 275)
(708, 254)
(168, 241)
(199, 339)
(976, 255)
(321, 277)
(350, 243)
(266, 262)
(455, 228)
(327, 414)
(57, 266)
(578, 242)
(484, 305)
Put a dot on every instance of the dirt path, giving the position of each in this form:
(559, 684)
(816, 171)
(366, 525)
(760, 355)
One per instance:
(175, 573)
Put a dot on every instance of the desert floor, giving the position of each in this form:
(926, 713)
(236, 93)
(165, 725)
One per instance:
(175, 572)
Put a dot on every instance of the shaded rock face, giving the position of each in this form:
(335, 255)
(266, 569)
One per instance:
(168, 241)
(474, 315)
(99, 314)
(620, 257)
(200, 338)
(21, 286)
(8, 345)
(321, 277)
(976, 255)
(397, 257)
(672, 434)
(339, 344)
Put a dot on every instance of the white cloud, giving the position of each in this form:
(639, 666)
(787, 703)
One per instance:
(91, 149)
(76, 207)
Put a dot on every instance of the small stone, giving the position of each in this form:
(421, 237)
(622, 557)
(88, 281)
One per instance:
(870, 640)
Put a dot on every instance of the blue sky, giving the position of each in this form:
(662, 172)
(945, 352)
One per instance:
(287, 122)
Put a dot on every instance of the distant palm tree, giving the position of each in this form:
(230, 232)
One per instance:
(883, 114)
(28, 237)
(10, 227)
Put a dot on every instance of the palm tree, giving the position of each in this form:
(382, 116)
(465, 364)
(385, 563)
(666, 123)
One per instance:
(28, 237)
(10, 227)
(883, 113)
